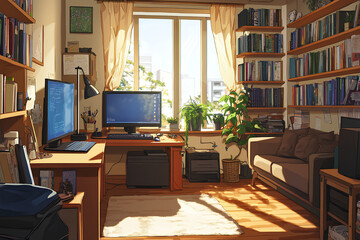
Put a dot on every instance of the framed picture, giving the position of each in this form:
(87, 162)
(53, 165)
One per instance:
(81, 19)
(38, 44)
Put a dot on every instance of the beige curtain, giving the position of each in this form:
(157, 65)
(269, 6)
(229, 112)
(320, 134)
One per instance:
(223, 28)
(117, 24)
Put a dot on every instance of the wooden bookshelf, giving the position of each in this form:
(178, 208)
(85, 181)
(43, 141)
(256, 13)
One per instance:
(261, 82)
(13, 114)
(266, 109)
(324, 106)
(260, 29)
(336, 73)
(11, 9)
(319, 13)
(325, 42)
(11, 63)
(260, 55)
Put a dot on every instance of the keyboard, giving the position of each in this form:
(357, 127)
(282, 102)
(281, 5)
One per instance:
(131, 136)
(77, 146)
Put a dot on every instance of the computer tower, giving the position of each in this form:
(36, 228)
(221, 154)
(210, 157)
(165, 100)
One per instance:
(202, 165)
(349, 152)
(144, 170)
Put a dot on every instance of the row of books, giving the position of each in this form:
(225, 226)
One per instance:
(333, 92)
(259, 17)
(335, 23)
(345, 55)
(272, 123)
(271, 43)
(67, 185)
(10, 99)
(26, 5)
(260, 71)
(15, 166)
(266, 97)
(15, 43)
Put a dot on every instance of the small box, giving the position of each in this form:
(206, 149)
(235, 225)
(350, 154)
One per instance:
(12, 137)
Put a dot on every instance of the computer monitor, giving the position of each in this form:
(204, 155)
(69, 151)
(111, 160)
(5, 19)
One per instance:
(348, 122)
(58, 117)
(131, 109)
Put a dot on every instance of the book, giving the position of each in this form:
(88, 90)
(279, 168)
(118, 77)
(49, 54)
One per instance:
(2, 87)
(13, 164)
(10, 96)
(47, 178)
(68, 184)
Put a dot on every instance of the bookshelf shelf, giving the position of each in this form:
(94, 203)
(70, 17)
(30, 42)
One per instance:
(344, 71)
(325, 42)
(324, 106)
(12, 63)
(260, 29)
(260, 55)
(319, 13)
(12, 114)
(262, 82)
(11, 9)
(266, 109)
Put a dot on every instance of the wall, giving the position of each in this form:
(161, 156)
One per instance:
(51, 19)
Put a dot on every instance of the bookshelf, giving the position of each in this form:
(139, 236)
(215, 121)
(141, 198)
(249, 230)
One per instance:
(260, 29)
(15, 120)
(323, 77)
(269, 109)
(260, 55)
(261, 82)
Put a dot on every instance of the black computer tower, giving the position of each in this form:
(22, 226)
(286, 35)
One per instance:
(202, 165)
(349, 152)
(147, 170)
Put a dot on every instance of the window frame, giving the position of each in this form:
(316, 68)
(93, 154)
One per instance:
(176, 55)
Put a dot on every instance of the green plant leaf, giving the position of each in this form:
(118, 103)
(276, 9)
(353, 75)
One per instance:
(231, 138)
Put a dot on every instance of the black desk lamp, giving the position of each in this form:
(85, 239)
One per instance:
(89, 92)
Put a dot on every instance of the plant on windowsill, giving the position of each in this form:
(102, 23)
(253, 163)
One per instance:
(194, 114)
(218, 120)
(173, 123)
(237, 123)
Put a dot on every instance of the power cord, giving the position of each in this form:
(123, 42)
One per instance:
(214, 145)
(115, 164)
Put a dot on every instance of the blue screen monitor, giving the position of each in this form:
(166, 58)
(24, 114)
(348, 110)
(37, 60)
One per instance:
(58, 110)
(131, 109)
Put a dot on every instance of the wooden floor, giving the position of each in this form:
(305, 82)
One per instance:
(262, 212)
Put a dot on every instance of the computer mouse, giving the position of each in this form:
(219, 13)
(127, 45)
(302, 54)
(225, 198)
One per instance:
(157, 139)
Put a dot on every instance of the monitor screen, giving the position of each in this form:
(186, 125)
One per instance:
(131, 109)
(348, 122)
(58, 109)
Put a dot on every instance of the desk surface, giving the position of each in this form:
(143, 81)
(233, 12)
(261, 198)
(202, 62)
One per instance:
(93, 158)
(334, 174)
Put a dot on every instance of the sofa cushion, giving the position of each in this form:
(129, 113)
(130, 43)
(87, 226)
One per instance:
(289, 140)
(305, 146)
(264, 162)
(294, 174)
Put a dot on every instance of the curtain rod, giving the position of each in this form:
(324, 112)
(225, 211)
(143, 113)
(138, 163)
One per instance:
(236, 2)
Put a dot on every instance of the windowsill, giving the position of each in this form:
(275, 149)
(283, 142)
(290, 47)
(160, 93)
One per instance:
(181, 131)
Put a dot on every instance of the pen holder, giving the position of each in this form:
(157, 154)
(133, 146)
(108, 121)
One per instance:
(90, 127)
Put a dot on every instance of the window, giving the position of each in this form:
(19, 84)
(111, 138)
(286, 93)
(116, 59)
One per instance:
(157, 41)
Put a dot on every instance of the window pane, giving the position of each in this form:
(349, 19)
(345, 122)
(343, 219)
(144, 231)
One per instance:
(215, 85)
(127, 80)
(190, 60)
(156, 60)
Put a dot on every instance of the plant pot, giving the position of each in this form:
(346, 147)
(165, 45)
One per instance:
(217, 125)
(245, 170)
(197, 127)
(231, 170)
(174, 127)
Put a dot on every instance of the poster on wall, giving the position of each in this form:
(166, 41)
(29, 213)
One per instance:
(81, 19)
(38, 44)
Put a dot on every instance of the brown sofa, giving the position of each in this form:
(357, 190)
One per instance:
(292, 162)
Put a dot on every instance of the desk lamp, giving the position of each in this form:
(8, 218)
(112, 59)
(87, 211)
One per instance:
(89, 92)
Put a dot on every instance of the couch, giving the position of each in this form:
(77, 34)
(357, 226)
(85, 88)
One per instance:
(291, 163)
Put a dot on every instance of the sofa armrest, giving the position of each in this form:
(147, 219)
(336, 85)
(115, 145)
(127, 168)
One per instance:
(262, 145)
(318, 161)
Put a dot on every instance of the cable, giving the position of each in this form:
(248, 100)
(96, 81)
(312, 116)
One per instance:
(214, 145)
(115, 164)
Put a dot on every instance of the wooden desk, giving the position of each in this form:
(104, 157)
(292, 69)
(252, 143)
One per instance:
(347, 185)
(77, 203)
(89, 174)
(172, 147)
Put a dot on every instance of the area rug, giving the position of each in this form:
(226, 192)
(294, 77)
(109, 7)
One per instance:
(174, 215)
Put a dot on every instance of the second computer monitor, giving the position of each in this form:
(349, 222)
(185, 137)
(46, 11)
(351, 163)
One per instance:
(131, 109)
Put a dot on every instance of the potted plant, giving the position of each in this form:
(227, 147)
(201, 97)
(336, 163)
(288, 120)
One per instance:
(218, 120)
(237, 123)
(174, 123)
(194, 114)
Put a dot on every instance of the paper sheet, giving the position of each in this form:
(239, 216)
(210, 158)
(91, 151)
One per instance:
(30, 93)
(71, 61)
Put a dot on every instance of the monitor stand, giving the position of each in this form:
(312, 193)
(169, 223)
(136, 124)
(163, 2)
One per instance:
(130, 130)
(54, 144)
